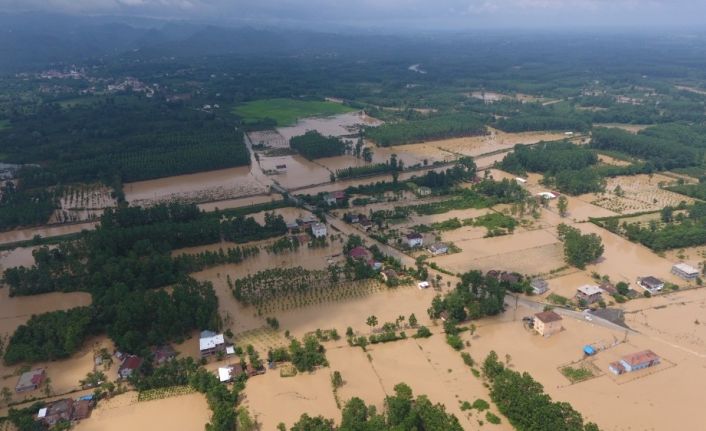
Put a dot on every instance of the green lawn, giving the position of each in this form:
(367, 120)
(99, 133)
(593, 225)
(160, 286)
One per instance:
(286, 112)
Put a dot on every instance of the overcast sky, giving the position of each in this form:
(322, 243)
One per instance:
(398, 14)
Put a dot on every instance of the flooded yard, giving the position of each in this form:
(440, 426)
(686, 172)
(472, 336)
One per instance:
(337, 125)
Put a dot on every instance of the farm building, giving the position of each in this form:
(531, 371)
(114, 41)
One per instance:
(415, 239)
(589, 293)
(318, 230)
(130, 364)
(651, 284)
(31, 380)
(547, 323)
(634, 362)
(211, 343)
(438, 248)
(539, 286)
(685, 271)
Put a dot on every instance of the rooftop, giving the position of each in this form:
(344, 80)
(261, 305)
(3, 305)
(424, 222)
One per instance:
(548, 316)
(414, 235)
(651, 281)
(686, 268)
(210, 341)
(640, 357)
(31, 378)
(590, 290)
(358, 252)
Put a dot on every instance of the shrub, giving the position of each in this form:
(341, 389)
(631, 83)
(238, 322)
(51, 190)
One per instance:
(454, 341)
(422, 332)
(480, 404)
(493, 419)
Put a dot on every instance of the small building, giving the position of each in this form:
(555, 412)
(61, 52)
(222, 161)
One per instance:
(589, 293)
(685, 271)
(360, 253)
(230, 373)
(520, 181)
(351, 218)
(365, 223)
(31, 380)
(651, 284)
(130, 364)
(306, 221)
(547, 195)
(539, 286)
(438, 248)
(423, 285)
(423, 191)
(608, 288)
(547, 323)
(634, 362)
(334, 198)
(163, 354)
(211, 343)
(318, 230)
(415, 239)
(61, 410)
(230, 350)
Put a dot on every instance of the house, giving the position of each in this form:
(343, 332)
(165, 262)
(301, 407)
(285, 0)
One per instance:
(423, 285)
(334, 198)
(60, 410)
(211, 343)
(306, 221)
(230, 373)
(634, 362)
(163, 354)
(82, 409)
(130, 364)
(547, 323)
(589, 293)
(539, 286)
(423, 191)
(293, 226)
(360, 253)
(415, 239)
(547, 195)
(651, 284)
(352, 217)
(318, 230)
(230, 350)
(520, 181)
(31, 380)
(365, 223)
(438, 248)
(685, 271)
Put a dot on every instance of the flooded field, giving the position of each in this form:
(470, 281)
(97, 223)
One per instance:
(43, 231)
(299, 171)
(239, 202)
(337, 125)
(636, 193)
(21, 256)
(200, 187)
(632, 128)
(83, 203)
(123, 412)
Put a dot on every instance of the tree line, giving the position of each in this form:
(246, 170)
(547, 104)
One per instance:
(434, 127)
(314, 145)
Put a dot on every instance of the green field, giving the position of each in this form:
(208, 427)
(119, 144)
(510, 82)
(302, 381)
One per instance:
(286, 112)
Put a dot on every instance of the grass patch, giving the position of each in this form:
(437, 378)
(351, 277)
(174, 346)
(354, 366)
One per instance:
(286, 112)
(578, 374)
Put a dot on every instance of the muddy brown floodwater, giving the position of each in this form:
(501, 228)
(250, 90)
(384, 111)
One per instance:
(43, 231)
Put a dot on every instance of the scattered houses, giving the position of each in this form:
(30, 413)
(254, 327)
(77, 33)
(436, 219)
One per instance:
(589, 293)
(31, 380)
(318, 230)
(685, 271)
(634, 362)
(438, 248)
(651, 284)
(539, 286)
(130, 364)
(547, 323)
(211, 343)
(415, 239)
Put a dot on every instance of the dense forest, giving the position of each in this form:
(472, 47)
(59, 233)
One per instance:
(19, 207)
(434, 127)
(314, 145)
(121, 264)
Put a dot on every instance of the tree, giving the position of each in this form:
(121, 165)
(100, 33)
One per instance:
(367, 155)
(579, 249)
(372, 321)
(562, 205)
(6, 394)
(412, 320)
(667, 214)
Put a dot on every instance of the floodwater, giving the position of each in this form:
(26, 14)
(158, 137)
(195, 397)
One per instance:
(337, 125)
(43, 231)
(20, 256)
(123, 412)
(300, 171)
(239, 202)
(208, 186)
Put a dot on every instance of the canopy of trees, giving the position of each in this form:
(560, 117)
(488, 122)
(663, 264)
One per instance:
(314, 145)
(579, 249)
(434, 127)
(522, 399)
(474, 297)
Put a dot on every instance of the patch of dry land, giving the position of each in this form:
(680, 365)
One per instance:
(123, 412)
(209, 186)
(632, 128)
(639, 193)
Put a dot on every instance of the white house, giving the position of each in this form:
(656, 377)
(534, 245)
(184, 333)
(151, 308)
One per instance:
(687, 272)
(546, 195)
(520, 181)
(438, 248)
(318, 230)
(210, 343)
(415, 239)
(423, 285)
